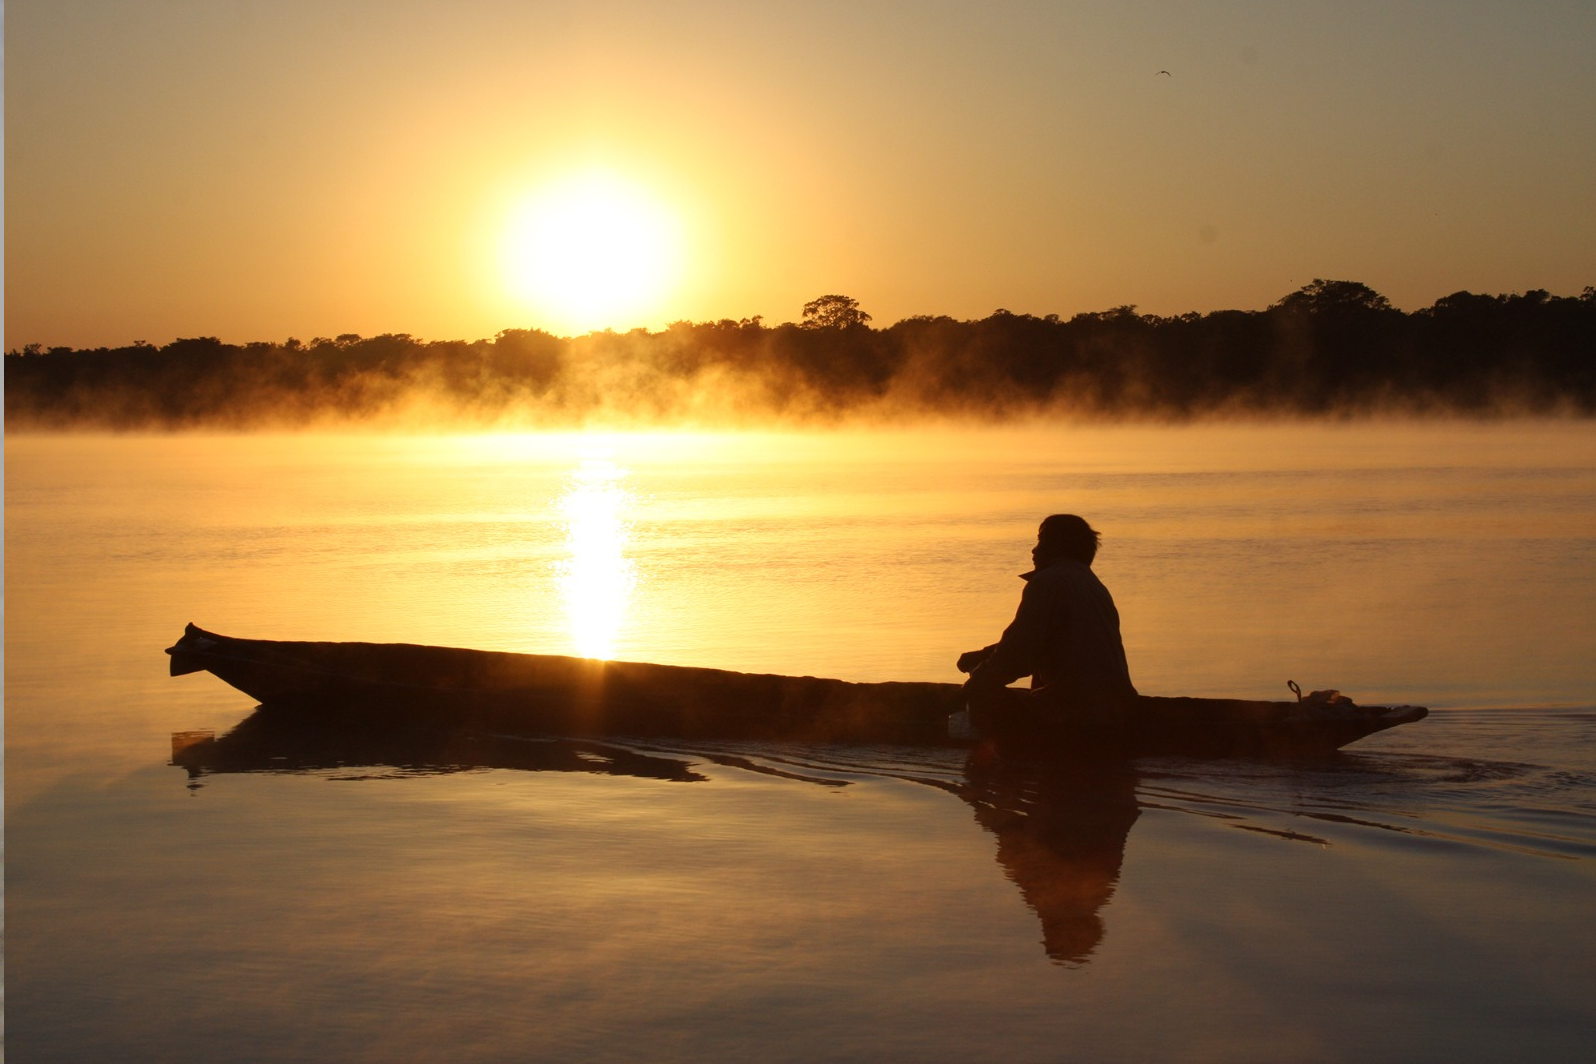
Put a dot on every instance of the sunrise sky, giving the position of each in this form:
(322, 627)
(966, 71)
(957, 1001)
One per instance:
(256, 171)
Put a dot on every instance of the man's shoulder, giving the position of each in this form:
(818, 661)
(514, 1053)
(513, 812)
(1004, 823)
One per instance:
(1065, 580)
(1062, 573)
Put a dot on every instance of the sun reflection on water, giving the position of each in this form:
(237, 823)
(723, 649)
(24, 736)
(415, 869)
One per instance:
(596, 578)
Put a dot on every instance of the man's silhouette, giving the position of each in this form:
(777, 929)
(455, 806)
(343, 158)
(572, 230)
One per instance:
(1065, 635)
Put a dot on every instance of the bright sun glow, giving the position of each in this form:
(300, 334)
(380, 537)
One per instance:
(596, 578)
(592, 252)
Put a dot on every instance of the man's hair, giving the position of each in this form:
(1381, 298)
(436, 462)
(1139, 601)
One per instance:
(1070, 536)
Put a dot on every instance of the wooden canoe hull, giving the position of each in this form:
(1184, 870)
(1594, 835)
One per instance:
(550, 694)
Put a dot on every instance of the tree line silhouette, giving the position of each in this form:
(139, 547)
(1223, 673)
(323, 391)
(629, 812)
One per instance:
(1329, 348)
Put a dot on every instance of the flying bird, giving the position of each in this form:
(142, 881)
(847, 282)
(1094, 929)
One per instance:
(1166, 74)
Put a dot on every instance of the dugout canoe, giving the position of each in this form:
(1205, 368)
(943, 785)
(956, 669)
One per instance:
(557, 695)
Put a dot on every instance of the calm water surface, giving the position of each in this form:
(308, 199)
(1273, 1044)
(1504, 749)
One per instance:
(322, 895)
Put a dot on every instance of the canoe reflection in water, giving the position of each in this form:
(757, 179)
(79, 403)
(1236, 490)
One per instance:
(270, 741)
(1061, 828)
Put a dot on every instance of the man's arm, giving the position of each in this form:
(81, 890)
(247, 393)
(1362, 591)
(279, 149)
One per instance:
(1017, 652)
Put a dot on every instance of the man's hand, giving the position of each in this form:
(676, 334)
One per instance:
(970, 659)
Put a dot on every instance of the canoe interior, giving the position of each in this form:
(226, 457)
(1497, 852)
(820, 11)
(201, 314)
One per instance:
(565, 695)
(552, 694)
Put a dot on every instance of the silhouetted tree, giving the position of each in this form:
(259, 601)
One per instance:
(1334, 297)
(833, 312)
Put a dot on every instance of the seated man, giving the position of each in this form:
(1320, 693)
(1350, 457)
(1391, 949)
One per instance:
(1065, 635)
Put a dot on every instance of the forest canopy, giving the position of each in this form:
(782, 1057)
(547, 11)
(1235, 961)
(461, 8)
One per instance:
(1331, 348)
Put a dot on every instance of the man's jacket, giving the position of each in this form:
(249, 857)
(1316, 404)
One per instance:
(1065, 636)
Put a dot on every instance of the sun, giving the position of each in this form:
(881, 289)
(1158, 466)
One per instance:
(592, 251)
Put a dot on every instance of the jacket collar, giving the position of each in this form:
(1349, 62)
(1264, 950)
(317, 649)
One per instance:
(1050, 565)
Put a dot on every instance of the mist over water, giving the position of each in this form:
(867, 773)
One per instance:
(1332, 348)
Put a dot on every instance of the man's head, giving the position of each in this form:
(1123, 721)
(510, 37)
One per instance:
(1064, 536)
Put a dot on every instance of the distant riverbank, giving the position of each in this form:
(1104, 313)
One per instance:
(1333, 348)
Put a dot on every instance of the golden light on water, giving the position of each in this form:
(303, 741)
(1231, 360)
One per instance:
(592, 251)
(596, 577)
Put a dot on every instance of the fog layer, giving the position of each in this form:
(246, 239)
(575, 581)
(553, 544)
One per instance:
(1330, 348)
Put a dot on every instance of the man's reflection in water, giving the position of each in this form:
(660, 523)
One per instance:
(1061, 831)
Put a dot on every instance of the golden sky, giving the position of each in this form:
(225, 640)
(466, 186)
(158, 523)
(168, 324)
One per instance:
(314, 167)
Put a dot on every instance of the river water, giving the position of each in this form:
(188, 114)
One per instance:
(1429, 895)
